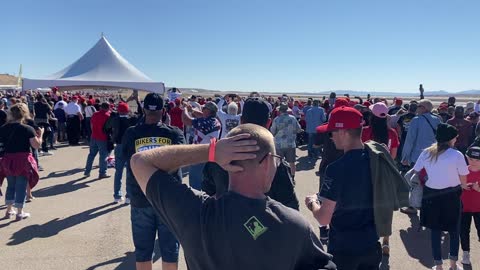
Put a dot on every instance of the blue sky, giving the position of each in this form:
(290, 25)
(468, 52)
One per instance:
(265, 45)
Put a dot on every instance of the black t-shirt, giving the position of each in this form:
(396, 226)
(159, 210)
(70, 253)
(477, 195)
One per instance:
(117, 124)
(3, 117)
(145, 137)
(445, 116)
(404, 123)
(393, 110)
(348, 182)
(215, 182)
(42, 110)
(234, 232)
(15, 137)
(330, 151)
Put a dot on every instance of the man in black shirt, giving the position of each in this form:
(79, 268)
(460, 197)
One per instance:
(3, 114)
(346, 196)
(145, 222)
(243, 229)
(116, 125)
(215, 179)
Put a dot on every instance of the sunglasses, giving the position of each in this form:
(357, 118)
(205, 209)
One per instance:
(277, 159)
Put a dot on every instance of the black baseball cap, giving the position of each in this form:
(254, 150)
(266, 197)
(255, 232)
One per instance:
(473, 152)
(255, 111)
(153, 102)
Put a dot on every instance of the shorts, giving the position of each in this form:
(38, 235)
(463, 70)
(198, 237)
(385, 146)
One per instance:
(145, 226)
(287, 153)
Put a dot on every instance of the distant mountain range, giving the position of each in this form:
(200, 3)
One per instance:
(352, 93)
(7, 79)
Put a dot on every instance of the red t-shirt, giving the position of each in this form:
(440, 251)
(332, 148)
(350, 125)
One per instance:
(97, 122)
(393, 142)
(176, 117)
(471, 198)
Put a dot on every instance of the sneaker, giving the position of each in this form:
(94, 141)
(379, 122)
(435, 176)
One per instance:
(86, 175)
(47, 154)
(409, 210)
(456, 268)
(40, 169)
(466, 258)
(101, 176)
(118, 200)
(22, 216)
(127, 201)
(10, 214)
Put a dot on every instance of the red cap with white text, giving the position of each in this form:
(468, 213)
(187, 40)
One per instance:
(342, 118)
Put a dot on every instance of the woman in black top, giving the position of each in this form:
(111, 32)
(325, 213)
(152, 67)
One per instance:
(16, 138)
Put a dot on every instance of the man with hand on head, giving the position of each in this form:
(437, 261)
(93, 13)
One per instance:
(243, 229)
(215, 179)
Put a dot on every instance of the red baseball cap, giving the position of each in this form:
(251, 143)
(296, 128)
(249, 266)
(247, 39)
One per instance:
(339, 102)
(123, 107)
(342, 118)
(367, 104)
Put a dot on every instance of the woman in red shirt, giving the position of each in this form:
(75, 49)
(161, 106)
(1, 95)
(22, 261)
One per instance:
(470, 202)
(379, 131)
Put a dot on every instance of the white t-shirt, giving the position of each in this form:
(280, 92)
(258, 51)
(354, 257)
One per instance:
(61, 101)
(195, 105)
(444, 172)
(229, 122)
(174, 95)
(89, 111)
(72, 109)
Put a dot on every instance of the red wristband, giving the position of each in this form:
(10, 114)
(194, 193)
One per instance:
(211, 150)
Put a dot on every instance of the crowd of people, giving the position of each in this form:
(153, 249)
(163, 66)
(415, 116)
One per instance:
(241, 158)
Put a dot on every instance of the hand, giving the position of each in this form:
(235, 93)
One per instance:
(234, 148)
(40, 131)
(465, 186)
(309, 200)
(476, 187)
(405, 163)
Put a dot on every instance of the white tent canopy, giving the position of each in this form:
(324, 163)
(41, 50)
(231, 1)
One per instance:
(101, 66)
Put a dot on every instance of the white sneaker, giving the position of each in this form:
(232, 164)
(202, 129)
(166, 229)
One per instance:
(127, 201)
(119, 200)
(47, 154)
(466, 258)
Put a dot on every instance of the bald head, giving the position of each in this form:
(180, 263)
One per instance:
(264, 141)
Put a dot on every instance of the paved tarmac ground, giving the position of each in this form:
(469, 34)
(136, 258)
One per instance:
(75, 225)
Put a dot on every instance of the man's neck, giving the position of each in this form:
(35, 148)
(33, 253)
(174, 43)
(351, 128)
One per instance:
(151, 121)
(353, 145)
(241, 187)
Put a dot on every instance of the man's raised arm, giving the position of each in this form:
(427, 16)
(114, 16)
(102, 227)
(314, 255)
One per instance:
(171, 158)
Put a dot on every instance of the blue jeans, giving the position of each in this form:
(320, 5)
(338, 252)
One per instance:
(195, 176)
(437, 246)
(88, 128)
(145, 227)
(312, 152)
(120, 163)
(95, 147)
(16, 191)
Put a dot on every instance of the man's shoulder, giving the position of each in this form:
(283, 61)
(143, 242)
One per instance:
(288, 215)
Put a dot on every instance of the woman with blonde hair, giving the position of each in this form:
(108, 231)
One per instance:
(441, 204)
(18, 165)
